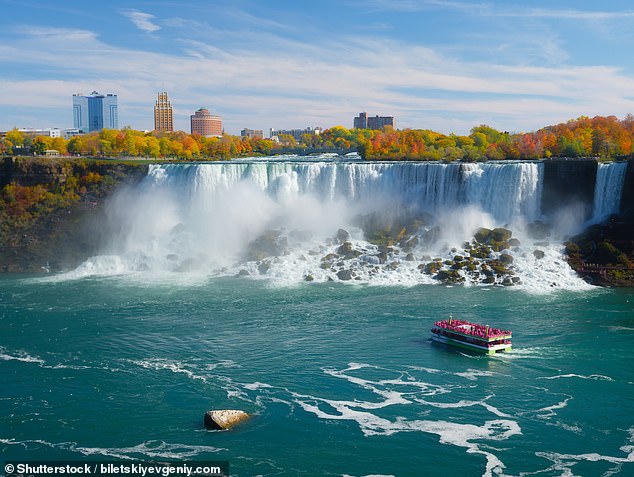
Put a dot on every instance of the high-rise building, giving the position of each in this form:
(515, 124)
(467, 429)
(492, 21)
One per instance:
(95, 112)
(206, 124)
(362, 121)
(163, 114)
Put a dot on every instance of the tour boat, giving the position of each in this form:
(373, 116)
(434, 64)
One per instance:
(463, 334)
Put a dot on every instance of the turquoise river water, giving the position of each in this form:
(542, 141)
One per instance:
(342, 379)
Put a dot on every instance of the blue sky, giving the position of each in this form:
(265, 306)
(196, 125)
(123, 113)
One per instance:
(446, 65)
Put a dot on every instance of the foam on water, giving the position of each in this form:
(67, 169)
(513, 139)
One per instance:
(406, 390)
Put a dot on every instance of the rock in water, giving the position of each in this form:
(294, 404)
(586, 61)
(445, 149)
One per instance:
(224, 419)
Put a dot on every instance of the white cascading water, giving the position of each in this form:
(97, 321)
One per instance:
(202, 220)
(608, 190)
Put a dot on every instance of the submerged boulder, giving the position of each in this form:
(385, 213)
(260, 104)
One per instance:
(224, 419)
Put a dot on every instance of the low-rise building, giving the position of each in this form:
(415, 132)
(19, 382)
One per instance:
(362, 121)
(296, 133)
(252, 133)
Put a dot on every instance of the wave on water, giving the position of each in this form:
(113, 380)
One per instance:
(290, 222)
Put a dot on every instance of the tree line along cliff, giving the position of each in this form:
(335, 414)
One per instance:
(600, 137)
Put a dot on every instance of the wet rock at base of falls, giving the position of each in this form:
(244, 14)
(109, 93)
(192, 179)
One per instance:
(342, 235)
(538, 254)
(506, 258)
(482, 235)
(347, 251)
(449, 276)
(382, 256)
(270, 244)
(264, 267)
(431, 268)
(501, 234)
(344, 275)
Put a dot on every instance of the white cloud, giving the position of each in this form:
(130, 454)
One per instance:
(421, 86)
(143, 21)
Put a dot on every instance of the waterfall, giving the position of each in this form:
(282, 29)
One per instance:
(503, 190)
(317, 220)
(608, 190)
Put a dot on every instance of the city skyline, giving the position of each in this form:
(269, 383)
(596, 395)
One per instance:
(433, 64)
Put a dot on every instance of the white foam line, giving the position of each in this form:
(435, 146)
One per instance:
(563, 462)
(550, 410)
(465, 403)
(153, 449)
(22, 357)
(257, 385)
(595, 377)
(620, 328)
(590, 457)
(474, 374)
(173, 366)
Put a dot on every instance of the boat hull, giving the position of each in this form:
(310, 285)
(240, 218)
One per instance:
(471, 346)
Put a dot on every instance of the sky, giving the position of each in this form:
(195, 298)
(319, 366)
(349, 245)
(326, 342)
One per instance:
(445, 65)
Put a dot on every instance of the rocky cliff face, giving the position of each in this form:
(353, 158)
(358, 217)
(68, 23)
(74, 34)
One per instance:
(569, 183)
(51, 210)
(627, 201)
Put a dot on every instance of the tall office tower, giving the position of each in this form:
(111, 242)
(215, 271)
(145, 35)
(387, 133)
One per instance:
(95, 112)
(163, 114)
(206, 124)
